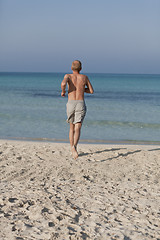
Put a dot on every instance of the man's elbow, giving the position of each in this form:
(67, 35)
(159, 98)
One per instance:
(63, 85)
(92, 91)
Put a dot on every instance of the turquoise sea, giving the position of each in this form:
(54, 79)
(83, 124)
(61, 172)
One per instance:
(124, 107)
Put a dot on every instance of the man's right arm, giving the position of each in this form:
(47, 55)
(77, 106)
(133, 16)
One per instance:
(89, 88)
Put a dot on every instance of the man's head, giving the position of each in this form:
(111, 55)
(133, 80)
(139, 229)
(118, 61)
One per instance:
(76, 66)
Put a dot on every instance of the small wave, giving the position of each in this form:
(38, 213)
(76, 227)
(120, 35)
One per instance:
(123, 124)
(126, 95)
(4, 115)
(46, 95)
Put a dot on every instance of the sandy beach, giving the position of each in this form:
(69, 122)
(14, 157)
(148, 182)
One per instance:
(109, 192)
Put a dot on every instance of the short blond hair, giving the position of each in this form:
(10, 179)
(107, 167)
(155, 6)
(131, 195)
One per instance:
(76, 65)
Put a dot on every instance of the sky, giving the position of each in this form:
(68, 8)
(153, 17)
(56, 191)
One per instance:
(108, 36)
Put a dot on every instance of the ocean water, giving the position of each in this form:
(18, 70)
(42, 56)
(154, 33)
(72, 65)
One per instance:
(124, 107)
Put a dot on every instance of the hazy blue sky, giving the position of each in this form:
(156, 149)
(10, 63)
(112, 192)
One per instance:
(112, 36)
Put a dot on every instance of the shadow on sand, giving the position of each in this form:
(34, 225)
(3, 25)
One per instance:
(110, 150)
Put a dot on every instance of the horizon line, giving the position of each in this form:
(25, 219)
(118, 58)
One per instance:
(82, 72)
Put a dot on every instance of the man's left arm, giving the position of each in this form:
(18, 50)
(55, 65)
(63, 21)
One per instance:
(63, 85)
(89, 88)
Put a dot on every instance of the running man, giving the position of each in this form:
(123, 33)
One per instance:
(78, 84)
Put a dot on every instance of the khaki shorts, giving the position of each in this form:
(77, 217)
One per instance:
(76, 111)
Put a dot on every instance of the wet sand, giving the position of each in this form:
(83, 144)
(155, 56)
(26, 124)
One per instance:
(109, 192)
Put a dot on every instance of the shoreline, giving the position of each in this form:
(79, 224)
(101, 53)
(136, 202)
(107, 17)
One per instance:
(83, 141)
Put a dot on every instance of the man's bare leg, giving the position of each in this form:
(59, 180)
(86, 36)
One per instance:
(77, 133)
(71, 139)
(71, 134)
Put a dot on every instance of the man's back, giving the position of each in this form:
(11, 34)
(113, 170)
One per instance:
(76, 86)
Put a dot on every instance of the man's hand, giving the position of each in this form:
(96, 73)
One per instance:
(63, 94)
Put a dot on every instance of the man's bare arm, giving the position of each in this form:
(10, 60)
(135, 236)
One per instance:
(63, 85)
(89, 88)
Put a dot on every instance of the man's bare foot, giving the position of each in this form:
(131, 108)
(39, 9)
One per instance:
(74, 152)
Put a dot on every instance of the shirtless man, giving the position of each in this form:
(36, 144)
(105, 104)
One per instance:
(78, 84)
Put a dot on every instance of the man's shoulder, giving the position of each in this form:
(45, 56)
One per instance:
(84, 76)
(67, 75)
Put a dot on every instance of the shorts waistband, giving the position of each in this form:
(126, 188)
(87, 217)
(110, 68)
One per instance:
(76, 101)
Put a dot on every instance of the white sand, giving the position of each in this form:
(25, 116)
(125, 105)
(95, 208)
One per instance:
(110, 192)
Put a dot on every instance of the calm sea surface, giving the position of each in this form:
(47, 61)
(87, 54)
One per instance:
(123, 107)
